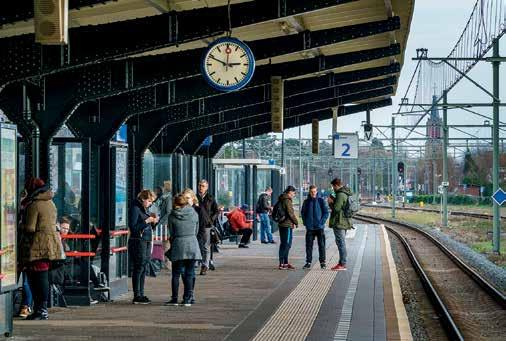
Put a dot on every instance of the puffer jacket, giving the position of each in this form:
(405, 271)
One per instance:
(183, 229)
(42, 241)
(337, 218)
(287, 206)
(237, 220)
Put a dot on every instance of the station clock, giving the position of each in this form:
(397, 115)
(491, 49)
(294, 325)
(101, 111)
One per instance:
(228, 64)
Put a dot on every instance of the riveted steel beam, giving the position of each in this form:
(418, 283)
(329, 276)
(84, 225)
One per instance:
(103, 42)
(191, 89)
(295, 106)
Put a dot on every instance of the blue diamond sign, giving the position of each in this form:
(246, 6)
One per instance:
(499, 196)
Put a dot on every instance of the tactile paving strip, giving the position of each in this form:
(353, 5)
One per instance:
(343, 327)
(295, 316)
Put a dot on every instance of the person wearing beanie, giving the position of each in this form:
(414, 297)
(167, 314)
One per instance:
(40, 242)
(286, 227)
(240, 225)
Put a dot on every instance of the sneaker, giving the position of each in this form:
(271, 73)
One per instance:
(141, 300)
(172, 302)
(243, 246)
(323, 265)
(272, 242)
(186, 303)
(203, 271)
(282, 267)
(307, 266)
(264, 242)
(339, 267)
(24, 311)
(211, 267)
(290, 266)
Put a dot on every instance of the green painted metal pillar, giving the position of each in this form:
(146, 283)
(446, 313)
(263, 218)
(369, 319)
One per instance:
(445, 161)
(495, 141)
(394, 169)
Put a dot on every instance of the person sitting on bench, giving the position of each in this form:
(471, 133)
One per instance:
(240, 225)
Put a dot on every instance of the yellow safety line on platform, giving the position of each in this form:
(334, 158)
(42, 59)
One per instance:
(295, 316)
(400, 310)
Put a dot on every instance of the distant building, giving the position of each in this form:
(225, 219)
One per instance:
(433, 149)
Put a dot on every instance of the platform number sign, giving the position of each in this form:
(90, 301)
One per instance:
(346, 146)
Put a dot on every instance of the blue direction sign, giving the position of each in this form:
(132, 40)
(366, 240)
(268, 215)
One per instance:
(499, 196)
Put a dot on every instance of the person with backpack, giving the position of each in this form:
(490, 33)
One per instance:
(341, 205)
(263, 209)
(314, 215)
(284, 215)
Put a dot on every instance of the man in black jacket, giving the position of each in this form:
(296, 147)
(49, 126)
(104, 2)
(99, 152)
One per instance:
(207, 217)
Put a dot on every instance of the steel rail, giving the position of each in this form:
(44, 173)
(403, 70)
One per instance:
(490, 289)
(452, 330)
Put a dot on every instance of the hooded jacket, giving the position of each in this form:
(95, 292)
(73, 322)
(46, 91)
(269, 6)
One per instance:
(287, 206)
(39, 229)
(337, 218)
(183, 228)
(314, 213)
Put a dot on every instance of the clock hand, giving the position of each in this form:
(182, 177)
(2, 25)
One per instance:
(232, 64)
(224, 64)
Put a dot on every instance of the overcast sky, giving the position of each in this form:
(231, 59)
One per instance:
(436, 25)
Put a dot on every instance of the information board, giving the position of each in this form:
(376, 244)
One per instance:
(346, 146)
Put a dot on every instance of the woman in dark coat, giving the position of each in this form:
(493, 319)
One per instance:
(40, 244)
(139, 242)
(184, 248)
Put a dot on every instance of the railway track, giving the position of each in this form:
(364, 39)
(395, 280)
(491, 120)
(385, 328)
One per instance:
(453, 213)
(469, 307)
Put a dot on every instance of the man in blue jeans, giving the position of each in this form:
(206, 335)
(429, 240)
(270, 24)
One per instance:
(314, 215)
(286, 226)
(338, 221)
(263, 209)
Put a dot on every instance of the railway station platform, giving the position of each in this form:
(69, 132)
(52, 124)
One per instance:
(248, 298)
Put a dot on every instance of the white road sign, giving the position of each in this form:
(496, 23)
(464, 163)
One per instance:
(346, 146)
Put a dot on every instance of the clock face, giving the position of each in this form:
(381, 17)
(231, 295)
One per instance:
(228, 64)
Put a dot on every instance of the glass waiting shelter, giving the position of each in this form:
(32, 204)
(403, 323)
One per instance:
(240, 181)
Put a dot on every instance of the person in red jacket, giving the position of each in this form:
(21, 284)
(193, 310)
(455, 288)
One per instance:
(240, 225)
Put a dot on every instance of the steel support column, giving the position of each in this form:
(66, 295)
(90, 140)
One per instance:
(394, 169)
(445, 162)
(495, 142)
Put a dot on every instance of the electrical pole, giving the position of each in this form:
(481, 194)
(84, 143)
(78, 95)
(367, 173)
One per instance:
(394, 169)
(495, 141)
(300, 169)
(445, 160)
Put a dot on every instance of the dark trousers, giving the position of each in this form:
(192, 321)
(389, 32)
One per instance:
(285, 239)
(139, 253)
(310, 236)
(39, 283)
(246, 235)
(186, 269)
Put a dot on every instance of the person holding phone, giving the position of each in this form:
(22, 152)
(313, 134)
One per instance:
(139, 243)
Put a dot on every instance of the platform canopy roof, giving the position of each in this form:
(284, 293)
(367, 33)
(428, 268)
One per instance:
(345, 53)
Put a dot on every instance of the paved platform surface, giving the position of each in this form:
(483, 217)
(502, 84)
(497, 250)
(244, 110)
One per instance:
(248, 298)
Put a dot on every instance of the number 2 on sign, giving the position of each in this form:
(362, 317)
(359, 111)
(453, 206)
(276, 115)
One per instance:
(347, 149)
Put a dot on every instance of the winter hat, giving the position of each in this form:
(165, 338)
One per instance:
(33, 184)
